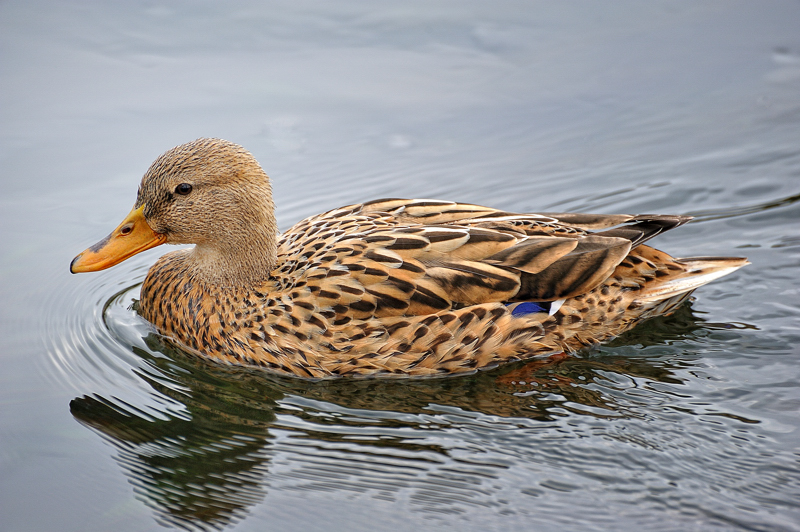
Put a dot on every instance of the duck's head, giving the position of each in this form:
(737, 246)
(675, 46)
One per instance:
(209, 192)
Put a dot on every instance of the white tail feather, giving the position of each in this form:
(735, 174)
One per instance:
(699, 271)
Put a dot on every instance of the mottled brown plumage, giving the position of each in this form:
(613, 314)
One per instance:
(392, 287)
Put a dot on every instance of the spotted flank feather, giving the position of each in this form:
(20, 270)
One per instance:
(392, 287)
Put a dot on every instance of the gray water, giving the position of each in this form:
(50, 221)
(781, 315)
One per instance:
(689, 422)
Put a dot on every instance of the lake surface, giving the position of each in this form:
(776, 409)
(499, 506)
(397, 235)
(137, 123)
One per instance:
(690, 422)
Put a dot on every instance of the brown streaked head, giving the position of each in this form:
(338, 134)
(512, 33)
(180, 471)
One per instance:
(208, 192)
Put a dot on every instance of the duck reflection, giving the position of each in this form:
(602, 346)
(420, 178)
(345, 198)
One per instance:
(206, 466)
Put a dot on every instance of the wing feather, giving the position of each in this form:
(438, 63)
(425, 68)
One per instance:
(421, 256)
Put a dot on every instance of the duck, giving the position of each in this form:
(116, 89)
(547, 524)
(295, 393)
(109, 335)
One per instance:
(387, 288)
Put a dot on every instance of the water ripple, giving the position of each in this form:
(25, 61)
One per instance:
(732, 212)
(91, 336)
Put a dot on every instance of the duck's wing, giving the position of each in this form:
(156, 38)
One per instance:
(392, 257)
(638, 228)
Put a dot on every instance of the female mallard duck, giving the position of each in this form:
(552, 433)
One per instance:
(390, 287)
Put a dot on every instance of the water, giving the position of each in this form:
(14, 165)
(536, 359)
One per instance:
(688, 422)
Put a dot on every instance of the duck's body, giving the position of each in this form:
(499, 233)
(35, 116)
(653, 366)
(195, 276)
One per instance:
(391, 287)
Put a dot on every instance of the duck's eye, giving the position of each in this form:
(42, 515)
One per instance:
(183, 189)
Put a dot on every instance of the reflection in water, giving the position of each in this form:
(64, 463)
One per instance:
(203, 470)
(205, 466)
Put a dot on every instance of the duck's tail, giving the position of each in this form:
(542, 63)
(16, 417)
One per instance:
(663, 297)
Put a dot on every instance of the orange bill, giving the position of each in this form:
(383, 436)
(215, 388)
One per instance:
(132, 236)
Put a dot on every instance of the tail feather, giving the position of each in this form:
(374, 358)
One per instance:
(698, 271)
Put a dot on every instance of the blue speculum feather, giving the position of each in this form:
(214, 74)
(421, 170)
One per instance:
(529, 307)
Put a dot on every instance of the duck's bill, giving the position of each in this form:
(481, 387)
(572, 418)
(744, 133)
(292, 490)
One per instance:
(132, 236)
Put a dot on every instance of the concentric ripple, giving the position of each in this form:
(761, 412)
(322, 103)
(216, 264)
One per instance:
(92, 334)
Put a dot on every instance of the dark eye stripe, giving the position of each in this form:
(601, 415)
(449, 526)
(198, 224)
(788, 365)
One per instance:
(183, 189)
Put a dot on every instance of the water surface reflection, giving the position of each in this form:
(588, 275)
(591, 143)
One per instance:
(439, 443)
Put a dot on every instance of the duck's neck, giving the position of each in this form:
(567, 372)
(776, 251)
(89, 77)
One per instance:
(242, 260)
